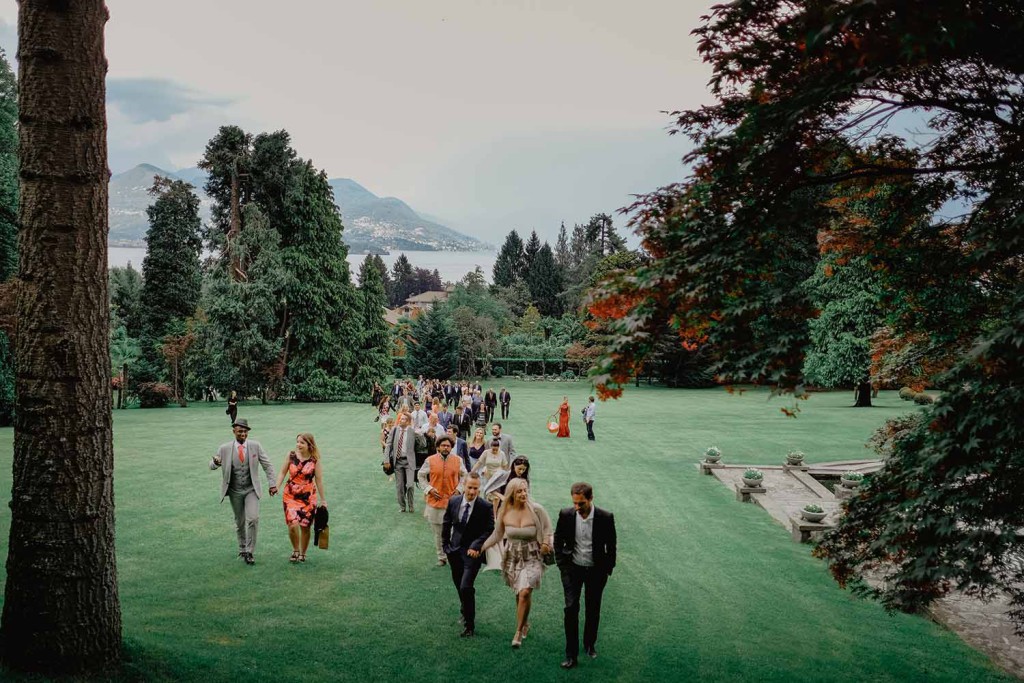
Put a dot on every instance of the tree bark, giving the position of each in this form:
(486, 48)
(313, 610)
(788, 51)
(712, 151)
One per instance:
(863, 394)
(61, 611)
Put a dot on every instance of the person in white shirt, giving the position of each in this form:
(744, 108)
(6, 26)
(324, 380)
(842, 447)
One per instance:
(419, 418)
(588, 417)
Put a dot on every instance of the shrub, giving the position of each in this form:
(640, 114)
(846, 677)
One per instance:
(713, 452)
(907, 394)
(568, 375)
(853, 476)
(923, 399)
(319, 387)
(813, 508)
(154, 394)
(795, 455)
(753, 474)
(498, 371)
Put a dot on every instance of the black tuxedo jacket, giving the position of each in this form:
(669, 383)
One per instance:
(505, 397)
(455, 537)
(490, 399)
(605, 542)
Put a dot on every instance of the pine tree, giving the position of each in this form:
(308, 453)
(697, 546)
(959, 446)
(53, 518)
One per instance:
(322, 313)
(562, 256)
(126, 299)
(508, 267)
(172, 281)
(434, 351)
(375, 363)
(602, 237)
(241, 338)
(530, 251)
(544, 280)
(403, 281)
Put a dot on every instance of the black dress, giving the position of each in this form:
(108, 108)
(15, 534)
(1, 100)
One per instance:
(232, 409)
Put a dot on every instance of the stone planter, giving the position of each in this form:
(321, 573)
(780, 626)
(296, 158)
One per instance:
(753, 483)
(850, 483)
(815, 517)
(712, 459)
(794, 462)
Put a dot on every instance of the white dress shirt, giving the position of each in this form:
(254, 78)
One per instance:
(583, 553)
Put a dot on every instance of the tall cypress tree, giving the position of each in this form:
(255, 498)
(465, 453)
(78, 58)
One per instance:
(530, 251)
(562, 255)
(375, 357)
(508, 267)
(544, 280)
(172, 281)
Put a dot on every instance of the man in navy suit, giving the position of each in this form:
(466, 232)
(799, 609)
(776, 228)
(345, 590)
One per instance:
(468, 521)
(585, 550)
(459, 446)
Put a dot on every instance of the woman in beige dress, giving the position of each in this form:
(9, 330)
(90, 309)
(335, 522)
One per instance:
(526, 529)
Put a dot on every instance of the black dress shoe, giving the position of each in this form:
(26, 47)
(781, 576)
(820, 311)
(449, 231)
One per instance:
(468, 633)
(569, 663)
(591, 652)
(249, 559)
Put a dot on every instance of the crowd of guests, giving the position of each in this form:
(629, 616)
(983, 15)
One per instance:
(478, 503)
(443, 440)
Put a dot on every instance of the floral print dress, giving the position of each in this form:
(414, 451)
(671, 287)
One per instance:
(300, 491)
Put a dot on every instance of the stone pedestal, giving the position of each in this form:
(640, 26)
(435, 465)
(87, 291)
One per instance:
(795, 468)
(707, 467)
(843, 493)
(802, 529)
(743, 491)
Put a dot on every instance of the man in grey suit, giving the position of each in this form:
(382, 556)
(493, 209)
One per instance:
(400, 459)
(505, 439)
(241, 460)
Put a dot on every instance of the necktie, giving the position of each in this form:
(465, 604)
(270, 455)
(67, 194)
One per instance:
(241, 453)
(465, 514)
(401, 438)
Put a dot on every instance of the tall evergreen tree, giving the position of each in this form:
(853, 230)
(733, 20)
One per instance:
(322, 313)
(375, 363)
(403, 280)
(530, 251)
(434, 348)
(170, 271)
(544, 279)
(508, 267)
(62, 612)
(241, 336)
(562, 255)
(126, 299)
(602, 236)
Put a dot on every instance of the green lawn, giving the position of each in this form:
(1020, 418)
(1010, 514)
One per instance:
(706, 588)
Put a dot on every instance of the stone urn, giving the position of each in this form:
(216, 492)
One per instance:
(712, 459)
(795, 459)
(814, 517)
(850, 483)
(752, 483)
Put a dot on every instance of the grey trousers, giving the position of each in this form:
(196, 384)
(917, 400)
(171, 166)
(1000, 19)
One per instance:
(404, 483)
(246, 506)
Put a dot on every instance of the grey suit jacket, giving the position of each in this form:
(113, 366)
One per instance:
(408, 446)
(254, 455)
(506, 445)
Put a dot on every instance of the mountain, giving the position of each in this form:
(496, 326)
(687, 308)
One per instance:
(372, 223)
(129, 198)
(389, 223)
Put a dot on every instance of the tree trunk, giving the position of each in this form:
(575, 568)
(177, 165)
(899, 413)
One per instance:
(863, 395)
(61, 611)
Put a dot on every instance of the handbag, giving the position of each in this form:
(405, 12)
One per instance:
(548, 558)
(552, 424)
(325, 535)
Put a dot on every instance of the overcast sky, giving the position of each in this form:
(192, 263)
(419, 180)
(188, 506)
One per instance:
(489, 115)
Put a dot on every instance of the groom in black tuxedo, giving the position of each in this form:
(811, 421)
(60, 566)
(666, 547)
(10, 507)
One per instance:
(468, 521)
(585, 549)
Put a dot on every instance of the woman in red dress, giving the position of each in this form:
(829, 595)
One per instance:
(305, 481)
(563, 418)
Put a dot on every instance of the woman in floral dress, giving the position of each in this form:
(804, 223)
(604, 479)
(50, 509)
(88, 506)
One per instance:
(305, 481)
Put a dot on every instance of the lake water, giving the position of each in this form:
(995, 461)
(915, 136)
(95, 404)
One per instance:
(453, 265)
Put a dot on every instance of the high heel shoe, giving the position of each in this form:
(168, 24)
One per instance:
(525, 631)
(517, 641)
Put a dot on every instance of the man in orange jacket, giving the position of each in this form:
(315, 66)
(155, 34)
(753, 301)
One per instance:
(441, 477)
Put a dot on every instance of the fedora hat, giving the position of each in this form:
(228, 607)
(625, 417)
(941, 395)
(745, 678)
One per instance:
(241, 422)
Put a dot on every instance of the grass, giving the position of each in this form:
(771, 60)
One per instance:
(374, 607)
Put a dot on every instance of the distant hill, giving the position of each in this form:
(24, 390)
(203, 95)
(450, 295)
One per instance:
(372, 223)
